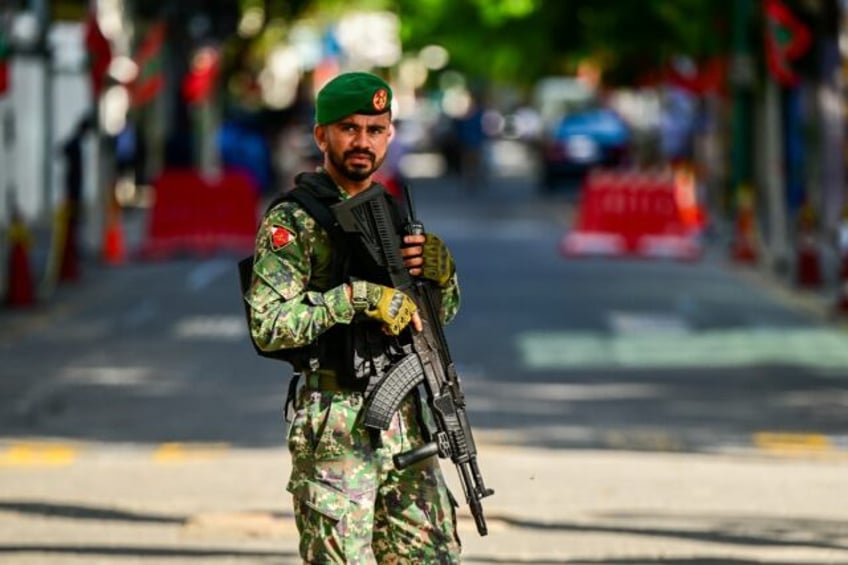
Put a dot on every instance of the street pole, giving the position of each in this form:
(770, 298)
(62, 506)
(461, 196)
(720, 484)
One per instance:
(742, 76)
(41, 11)
(832, 120)
(777, 250)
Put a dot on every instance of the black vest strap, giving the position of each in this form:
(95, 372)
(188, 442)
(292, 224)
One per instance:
(337, 348)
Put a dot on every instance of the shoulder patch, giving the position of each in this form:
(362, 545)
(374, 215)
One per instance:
(280, 237)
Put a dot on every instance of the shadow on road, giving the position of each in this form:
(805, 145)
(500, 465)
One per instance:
(753, 531)
(145, 552)
(750, 531)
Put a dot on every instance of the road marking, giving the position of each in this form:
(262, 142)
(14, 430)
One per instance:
(643, 440)
(38, 454)
(780, 444)
(224, 328)
(176, 452)
(786, 443)
(808, 347)
(634, 323)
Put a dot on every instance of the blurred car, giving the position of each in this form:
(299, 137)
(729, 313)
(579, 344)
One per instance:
(584, 139)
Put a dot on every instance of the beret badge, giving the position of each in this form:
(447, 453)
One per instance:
(380, 99)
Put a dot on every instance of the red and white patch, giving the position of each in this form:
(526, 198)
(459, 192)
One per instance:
(280, 237)
(380, 99)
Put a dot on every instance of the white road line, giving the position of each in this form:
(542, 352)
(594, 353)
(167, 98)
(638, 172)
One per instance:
(222, 327)
(815, 348)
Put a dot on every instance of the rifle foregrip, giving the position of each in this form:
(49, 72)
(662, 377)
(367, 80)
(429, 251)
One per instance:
(387, 395)
(407, 458)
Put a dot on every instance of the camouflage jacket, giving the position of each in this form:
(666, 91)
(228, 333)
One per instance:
(291, 299)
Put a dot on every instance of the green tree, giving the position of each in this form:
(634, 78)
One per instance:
(521, 40)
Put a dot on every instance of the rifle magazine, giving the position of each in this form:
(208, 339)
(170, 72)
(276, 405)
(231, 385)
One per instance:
(387, 394)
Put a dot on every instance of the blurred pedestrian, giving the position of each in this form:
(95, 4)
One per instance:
(343, 326)
(71, 210)
(471, 136)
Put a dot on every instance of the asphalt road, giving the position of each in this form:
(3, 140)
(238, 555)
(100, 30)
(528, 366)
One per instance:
(627, 411)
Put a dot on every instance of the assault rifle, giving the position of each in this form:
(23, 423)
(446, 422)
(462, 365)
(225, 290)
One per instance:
(369, 214)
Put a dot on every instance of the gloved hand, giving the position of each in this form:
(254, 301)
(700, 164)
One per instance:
(385, 304)
(438, 262)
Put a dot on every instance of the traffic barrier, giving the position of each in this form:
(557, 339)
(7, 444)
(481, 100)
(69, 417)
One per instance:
(639, 213)
(20, 289)
(197, 216)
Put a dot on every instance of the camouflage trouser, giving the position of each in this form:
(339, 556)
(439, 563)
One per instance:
(351, 505)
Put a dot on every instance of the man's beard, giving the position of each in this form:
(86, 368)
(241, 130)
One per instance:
(355, 173)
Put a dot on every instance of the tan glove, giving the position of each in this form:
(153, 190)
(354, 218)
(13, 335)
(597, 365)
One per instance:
(438, 262)
(385, 304)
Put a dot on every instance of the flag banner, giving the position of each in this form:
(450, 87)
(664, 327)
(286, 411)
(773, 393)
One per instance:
(786, 40)
(148, 57)
(99, 54)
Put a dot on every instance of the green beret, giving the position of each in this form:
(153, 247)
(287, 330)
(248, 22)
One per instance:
(352, 93)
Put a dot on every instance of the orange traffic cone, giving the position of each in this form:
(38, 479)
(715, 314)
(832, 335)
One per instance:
(114, 252)
(686, 194)
(20, 289)
(744, 248)
(808, 271)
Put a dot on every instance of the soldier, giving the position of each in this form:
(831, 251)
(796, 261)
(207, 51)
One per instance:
(310, 296)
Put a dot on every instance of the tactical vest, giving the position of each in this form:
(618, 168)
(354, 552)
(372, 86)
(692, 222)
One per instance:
(358, 352)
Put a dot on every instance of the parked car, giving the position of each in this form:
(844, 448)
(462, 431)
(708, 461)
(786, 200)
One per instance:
(591, 137)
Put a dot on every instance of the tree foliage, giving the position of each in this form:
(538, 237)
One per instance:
(521, 40)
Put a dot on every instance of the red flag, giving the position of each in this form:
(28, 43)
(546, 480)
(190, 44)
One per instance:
(709, 76)
(148, 57)
(786, 39)
(99, 54)
(203, 76)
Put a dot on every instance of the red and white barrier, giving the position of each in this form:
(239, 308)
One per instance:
(193, 215)
(636, 213)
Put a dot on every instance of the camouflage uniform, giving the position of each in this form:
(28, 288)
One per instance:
(351, 504)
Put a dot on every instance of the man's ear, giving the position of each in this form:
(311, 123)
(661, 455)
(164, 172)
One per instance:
(319, 133)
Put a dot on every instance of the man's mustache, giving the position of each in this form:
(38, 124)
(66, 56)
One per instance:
(360, 153)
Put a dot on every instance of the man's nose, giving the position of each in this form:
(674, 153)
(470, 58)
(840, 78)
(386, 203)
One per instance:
(360, 139)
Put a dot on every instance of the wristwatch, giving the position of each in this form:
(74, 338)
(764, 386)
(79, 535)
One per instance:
(359, 295)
